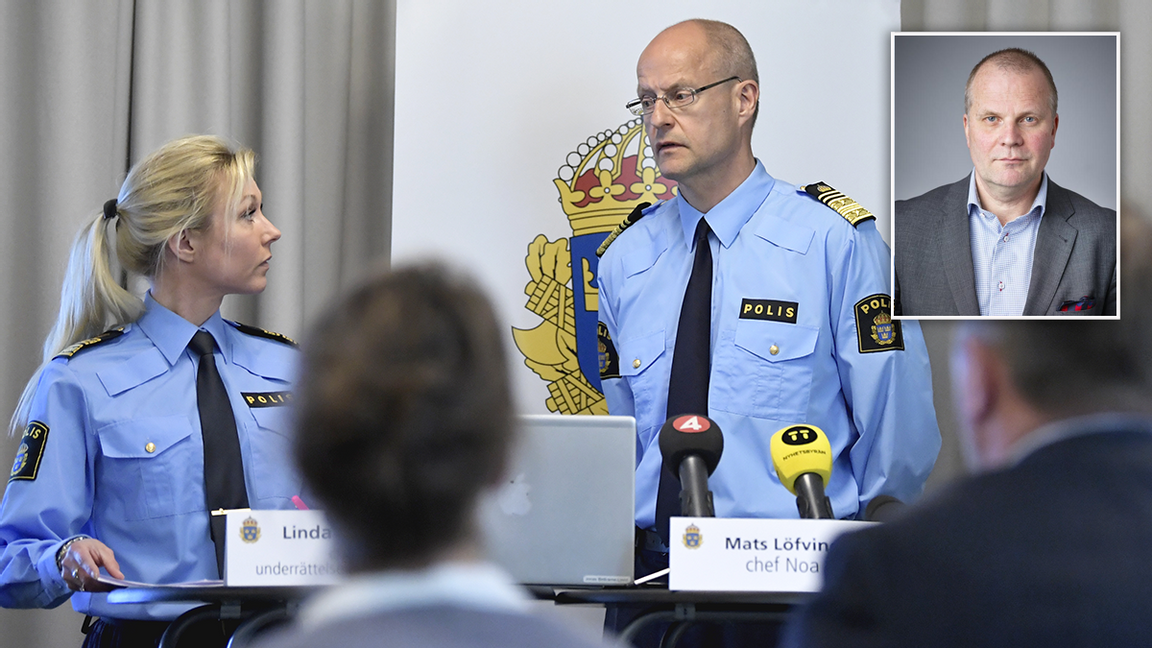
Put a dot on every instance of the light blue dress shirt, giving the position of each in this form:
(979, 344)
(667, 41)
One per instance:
(1002, 254)
(124, 460)
(771, 241)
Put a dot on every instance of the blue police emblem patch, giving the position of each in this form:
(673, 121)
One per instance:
(875, 328)
(249, 530)
(609, 359)
(693, 537)
(883, 332)
(30, 452)
(21, 459)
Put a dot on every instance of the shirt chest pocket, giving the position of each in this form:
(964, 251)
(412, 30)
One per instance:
(765, 370)
(271, 478)
(151, 467)
(645, 364)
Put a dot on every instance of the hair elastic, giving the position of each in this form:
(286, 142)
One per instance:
(110, 209)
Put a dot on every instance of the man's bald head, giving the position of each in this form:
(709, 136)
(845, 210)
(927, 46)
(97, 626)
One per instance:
(703, 143)
(731, 54)
(723, 50)
(1019, 61)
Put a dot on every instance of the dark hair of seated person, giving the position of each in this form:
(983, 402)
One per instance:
(403, 415)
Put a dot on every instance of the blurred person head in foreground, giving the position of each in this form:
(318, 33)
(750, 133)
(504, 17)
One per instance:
(1047, 543)
(404, 420)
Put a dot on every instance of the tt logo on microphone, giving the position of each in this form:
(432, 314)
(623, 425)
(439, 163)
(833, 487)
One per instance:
(799, 435)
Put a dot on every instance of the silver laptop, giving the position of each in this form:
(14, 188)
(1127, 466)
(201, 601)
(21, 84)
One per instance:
(564, 514)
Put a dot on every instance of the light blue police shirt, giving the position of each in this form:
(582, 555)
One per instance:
(773, 244)
(124, 462)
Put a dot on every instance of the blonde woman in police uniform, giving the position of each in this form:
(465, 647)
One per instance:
(109, 475)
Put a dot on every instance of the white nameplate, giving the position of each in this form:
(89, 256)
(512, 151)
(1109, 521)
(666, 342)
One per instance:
(280, 548)
(751, 555)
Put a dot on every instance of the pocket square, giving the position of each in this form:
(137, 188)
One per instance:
(1084, 303)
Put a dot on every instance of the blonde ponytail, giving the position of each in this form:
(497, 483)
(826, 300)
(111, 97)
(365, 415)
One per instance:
(91, 299)
(174, 189)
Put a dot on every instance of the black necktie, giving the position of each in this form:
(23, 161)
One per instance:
(691, 362)
(223, 466)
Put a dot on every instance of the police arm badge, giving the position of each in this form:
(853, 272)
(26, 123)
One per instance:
(30, 452)
(609, 359)
(875, 328)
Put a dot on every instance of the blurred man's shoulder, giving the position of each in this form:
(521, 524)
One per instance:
(433, 627)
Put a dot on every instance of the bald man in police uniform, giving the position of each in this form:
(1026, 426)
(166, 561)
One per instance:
(801, 328)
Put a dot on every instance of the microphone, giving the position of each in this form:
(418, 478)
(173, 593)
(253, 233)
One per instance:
(802, 457)
(691, 445)
(883, 508)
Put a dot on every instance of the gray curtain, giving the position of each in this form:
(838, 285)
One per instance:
(87, 87)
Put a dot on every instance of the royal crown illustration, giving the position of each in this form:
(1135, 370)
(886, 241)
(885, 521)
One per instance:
(883, 330)
(600, 183)
(607, 176)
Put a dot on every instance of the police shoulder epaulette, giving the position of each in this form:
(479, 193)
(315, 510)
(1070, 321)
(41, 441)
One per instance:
(636, 215)
(839, 203)
(90, 342)
(259, 332)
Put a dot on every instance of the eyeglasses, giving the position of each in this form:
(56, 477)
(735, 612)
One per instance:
(677, 98)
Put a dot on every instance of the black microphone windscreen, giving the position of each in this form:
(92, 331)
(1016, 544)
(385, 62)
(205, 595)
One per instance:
(691, 434)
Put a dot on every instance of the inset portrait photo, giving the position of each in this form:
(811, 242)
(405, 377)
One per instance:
(1005, 175)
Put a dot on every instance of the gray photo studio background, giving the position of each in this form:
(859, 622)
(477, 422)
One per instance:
(88, 86)
(928, 104)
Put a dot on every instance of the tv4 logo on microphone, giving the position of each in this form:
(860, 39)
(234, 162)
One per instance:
(691, 424)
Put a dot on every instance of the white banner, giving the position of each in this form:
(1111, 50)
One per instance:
(510, 118)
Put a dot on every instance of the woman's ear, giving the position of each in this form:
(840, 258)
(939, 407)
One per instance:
(183, 246)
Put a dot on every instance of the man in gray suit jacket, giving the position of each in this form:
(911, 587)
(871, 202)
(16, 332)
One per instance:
(1006, 240)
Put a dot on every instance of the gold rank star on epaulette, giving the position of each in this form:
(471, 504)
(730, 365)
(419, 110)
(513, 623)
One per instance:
(259, 332)
(93, 341)
(839, 203)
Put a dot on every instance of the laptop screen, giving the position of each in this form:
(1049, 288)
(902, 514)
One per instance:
(564, 514)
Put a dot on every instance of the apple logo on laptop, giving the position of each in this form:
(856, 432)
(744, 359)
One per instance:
(513, 496)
